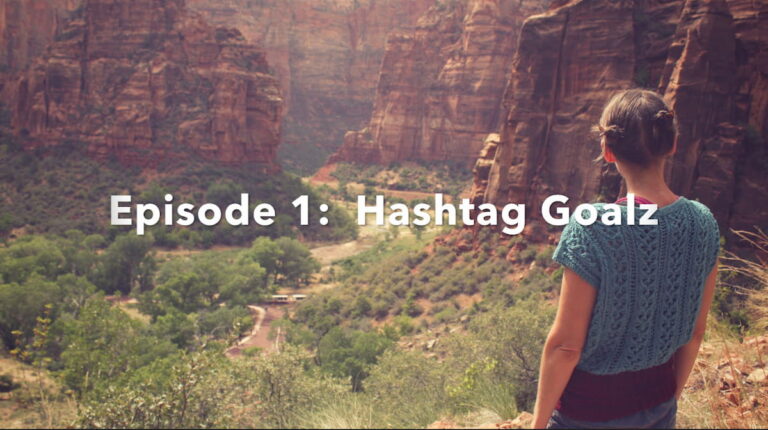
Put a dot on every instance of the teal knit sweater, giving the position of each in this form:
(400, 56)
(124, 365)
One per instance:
(649, 282)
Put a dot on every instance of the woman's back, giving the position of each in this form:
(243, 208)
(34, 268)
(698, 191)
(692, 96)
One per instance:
(634, 298)
(649, 282)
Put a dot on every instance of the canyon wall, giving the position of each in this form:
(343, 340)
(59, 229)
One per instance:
(148, 81)
(27, 27)
(709, 58)
(441, 85)
(326, 54)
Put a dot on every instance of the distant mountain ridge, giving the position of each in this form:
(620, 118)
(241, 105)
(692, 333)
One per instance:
(148, 81)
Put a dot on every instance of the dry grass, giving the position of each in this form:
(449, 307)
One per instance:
(757, 271)
(729, 384)
(37, 403)
(725, 389)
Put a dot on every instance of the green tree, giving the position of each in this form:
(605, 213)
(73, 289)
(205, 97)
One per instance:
(244, 285)
(296, 264)
(127, 264)
(75, 292)
(508, 342)
(266, 253)
(351, 355)
(102, 343)
(79, 251)
(154, 193)
(21, 304)
(417, 230)
(31, 255)
(223, 193)
(225, 320)
(175, 326)
(361, 308)
(286, 261)
(185, 292)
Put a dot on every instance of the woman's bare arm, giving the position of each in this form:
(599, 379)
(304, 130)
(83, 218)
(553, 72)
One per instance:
(562, 349)
(685, 357)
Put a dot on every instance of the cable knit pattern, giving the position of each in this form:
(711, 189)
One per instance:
(649, 282)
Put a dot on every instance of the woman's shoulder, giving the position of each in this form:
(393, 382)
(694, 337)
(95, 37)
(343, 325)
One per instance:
(605, 214)
(700, 214)
(700, 209)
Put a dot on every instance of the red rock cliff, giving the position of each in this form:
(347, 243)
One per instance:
(27, 27)
(708, 58)
(146, 81)
(441, 85)
(326, 54)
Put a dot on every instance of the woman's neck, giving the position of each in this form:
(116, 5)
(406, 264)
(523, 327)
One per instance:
(649, 183)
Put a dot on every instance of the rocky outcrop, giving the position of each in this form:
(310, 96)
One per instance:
(749, 206)
(708, 58)
(326, 54)
(569, 62)
(148, 81)
(482, 170)
(27, 27)
(441, 85)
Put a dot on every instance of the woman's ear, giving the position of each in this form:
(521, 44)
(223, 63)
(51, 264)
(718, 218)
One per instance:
(607, 153)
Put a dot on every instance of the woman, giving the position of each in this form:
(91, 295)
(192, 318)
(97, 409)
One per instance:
(634, 298)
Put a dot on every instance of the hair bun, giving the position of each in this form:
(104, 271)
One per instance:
(664, 114)
(611, 131)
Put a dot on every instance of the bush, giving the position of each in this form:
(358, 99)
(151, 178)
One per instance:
(506, 343)
(544, 256)
(350, 355)
(7, 384)
(205, 389)
(447, 314)
(408, 388)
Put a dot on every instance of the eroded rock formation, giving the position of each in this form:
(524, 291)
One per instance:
(148, 81)
(27, 27)
(441, 85)
(326, 54)
(708, 58)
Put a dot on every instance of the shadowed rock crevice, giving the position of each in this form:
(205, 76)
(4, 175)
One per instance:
(441, 85)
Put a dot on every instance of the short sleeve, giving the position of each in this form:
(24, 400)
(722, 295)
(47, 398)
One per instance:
(714, 239)
(576, 250)
(711, 235)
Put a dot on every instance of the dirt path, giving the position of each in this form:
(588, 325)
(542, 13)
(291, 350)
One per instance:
(259, 335)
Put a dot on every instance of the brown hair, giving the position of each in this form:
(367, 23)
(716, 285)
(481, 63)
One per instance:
(638, 127)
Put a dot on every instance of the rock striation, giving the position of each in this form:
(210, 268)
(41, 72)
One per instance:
(27, 27)
(149, 81)
(326, 54)
(441, 85)
(708, 59)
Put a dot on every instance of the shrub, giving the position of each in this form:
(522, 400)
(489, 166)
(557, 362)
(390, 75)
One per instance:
(447, 314)
(408, 388)
(508, 341)
(7, 384)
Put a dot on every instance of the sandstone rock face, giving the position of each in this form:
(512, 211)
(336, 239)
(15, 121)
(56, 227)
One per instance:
(147, 81)
(708, 58)
(483, 165)
(326, 54)
(441, 85)
(750, 197)
(27, 27)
